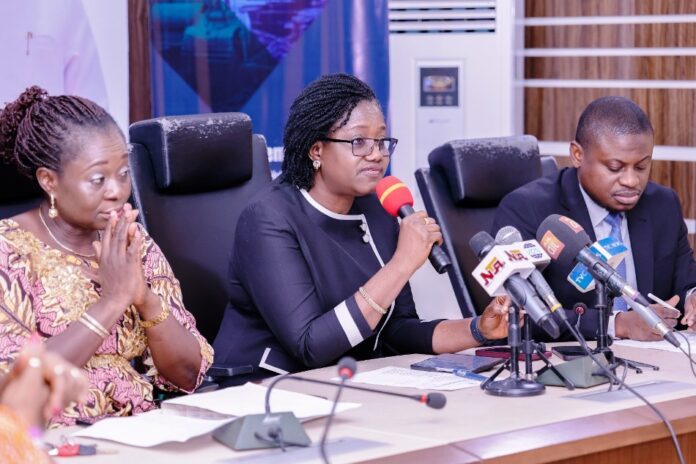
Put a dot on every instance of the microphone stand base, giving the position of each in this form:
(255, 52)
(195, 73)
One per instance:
(514, 388)
(637, 366)
(257, 431)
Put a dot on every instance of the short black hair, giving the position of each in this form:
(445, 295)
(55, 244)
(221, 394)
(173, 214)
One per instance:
(324, 106)
(613, 115)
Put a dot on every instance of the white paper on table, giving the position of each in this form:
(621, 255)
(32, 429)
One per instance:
(186, 417)
(250, 399)
(403, 377)
(663, 345)
(150, 428)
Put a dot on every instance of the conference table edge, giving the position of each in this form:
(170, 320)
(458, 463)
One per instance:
(561, 441)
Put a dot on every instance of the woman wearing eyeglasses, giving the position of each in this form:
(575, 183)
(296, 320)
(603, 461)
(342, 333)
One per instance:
(319, 270)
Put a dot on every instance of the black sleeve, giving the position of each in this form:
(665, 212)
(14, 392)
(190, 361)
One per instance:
(270, 264)
(405, 332)
(514, 211)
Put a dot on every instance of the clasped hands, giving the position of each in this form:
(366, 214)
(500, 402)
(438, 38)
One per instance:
(120, 262)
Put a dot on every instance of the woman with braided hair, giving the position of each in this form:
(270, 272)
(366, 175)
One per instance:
(319, 269)
(80, 272)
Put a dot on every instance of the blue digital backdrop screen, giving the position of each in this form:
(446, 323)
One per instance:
(256, 56)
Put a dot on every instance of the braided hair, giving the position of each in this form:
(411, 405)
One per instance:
(322, 108)
(36, 130)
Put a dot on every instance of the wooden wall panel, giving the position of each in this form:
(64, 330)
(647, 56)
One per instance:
(537, 8)
(611, 36)
(139, 61)
(680, 176)
(611, 67)
(552, 113)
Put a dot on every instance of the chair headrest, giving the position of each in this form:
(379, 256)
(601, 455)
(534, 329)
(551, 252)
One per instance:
(197, 153)
(483, 171)
(15, 186)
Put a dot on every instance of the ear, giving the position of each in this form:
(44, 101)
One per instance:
(315, 151)
(576, 153)
(48, 179)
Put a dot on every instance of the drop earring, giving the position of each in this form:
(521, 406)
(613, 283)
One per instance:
(52, 211)
(316, 164)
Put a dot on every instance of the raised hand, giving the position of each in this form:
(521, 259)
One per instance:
(120, 268)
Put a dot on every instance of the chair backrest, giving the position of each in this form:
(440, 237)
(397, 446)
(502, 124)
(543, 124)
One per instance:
(17, 193)
(549, 166)
(462, 188)
(192, 177)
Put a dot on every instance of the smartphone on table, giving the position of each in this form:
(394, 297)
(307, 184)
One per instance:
(457, 362)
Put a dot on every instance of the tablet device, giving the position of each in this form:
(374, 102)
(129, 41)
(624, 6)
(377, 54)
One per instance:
(450, 362)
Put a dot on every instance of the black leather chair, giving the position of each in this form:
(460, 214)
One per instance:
(17, 193)
(192, 177)
(549, 166)
(462, 188)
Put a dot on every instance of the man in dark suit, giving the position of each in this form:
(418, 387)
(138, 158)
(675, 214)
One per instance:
(608, 193)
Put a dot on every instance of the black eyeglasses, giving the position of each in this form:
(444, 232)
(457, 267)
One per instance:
(363, 146)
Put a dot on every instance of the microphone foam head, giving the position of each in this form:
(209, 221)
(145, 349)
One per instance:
(481, 243)
(580, 308)
(393, 194)
(436, 400)
(508, 235)
(347, 367)
(562, 238)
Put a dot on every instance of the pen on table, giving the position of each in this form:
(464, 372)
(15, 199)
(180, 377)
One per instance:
(469, 375)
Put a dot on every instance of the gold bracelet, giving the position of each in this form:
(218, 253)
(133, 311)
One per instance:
(97, 330)
(164, 314)
(102, 330)
(371, 302)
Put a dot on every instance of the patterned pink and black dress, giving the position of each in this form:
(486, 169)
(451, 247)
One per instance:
(45, 290)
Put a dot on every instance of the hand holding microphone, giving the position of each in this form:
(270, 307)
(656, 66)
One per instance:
(420, 236)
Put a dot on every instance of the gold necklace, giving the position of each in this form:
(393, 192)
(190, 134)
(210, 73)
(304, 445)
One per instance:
(55, 239)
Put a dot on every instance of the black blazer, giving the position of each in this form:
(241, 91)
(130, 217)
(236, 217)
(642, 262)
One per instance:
(663, 258)
(294, 270)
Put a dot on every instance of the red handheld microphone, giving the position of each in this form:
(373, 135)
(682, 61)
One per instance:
(396, 198)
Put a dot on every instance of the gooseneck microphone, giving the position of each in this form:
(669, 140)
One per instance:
(566, 241)
(396, 198)
(432, 400)
(346, 369)
(520, 291)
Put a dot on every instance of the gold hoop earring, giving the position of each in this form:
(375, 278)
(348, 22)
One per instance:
(52, 211)
(316, 164)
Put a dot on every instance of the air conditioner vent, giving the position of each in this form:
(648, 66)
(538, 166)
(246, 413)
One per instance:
(443, 17)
